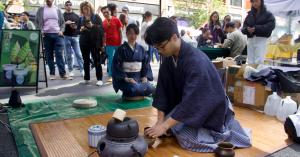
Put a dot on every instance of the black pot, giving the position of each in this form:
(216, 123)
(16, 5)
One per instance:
(135, 148)
(225, 149)
(126, 130)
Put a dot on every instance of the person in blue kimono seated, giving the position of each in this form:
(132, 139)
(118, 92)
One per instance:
(131, 68)
(189, 97)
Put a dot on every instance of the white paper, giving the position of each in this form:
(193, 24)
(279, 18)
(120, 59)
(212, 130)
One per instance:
(249, 95)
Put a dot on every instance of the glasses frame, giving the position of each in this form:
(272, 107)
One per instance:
(162, 46)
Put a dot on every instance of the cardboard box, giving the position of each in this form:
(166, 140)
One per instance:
(231, 72)
(250, 94)
(223, 62)
(218, 64)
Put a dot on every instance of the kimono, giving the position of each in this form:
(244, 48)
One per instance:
(190, 91)
(132, 63)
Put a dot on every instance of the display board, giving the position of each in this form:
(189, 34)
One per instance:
(19, 58)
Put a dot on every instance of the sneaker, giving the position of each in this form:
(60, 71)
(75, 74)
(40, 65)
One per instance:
(82, 73)
(52, 77)
(99, 83)
(71, 74)
(65, 77)
(86, 81)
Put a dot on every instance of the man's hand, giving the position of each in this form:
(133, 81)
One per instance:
(82, 28)
(130, 80)
(60, 33)
(144, 80)
(251, 30)
(157, 130)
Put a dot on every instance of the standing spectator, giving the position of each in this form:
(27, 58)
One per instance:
(113, 36)
(113, 9)
(91, 41)
(124, 20)
(147, 21)
(72, 39)
(226, 19)
(25, 23)
(258, 26)
(51, 22)
(214, 26)
(125, 10)
(236, 40)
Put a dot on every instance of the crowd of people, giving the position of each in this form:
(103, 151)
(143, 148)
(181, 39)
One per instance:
(249, 38)
(86, 37)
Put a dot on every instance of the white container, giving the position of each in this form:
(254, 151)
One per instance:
(272, 104)
(95, 133)
(287, 107)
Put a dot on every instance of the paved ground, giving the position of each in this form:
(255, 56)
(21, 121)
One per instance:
(64, 88)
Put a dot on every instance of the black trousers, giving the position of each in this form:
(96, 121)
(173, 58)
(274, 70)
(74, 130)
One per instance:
(88, 51)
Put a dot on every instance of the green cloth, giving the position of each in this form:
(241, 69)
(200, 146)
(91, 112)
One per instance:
(213, 53)
(38, 111)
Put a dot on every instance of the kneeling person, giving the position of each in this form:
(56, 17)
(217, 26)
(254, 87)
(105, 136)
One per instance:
(189, 97)
(131, 69)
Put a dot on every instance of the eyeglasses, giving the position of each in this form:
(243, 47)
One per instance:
(69, 4)
(162, 46)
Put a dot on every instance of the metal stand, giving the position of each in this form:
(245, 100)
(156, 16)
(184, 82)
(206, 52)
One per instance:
(42, 56)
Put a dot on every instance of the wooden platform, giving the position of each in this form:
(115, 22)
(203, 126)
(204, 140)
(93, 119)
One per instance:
(68, 138)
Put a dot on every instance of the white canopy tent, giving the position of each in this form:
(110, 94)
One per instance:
(287, 13)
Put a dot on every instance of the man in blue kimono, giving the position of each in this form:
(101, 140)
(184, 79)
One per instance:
(131, 69)
(189, 97)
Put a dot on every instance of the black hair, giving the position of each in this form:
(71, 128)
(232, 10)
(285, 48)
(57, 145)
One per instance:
(263, 7)
(230, 24)
(134, 27)
(112, 7)
(146, 14)
(26, 13)
(182, 32)
(68, 2)
(103, 8)
(161, 30)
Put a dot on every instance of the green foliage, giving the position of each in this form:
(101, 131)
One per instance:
(198, 11)
(1, 6)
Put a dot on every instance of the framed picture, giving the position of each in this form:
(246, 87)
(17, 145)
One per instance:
(19, 58)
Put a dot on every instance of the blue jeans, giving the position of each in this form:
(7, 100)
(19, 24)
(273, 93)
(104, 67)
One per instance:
(110, 51)
(54, 44)
(155, 51)
(72, 47)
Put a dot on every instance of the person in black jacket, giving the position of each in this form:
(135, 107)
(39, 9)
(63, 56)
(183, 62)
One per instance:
(91, 41)
(258, 27)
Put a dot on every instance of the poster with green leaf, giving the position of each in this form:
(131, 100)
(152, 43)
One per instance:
(19, 57)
